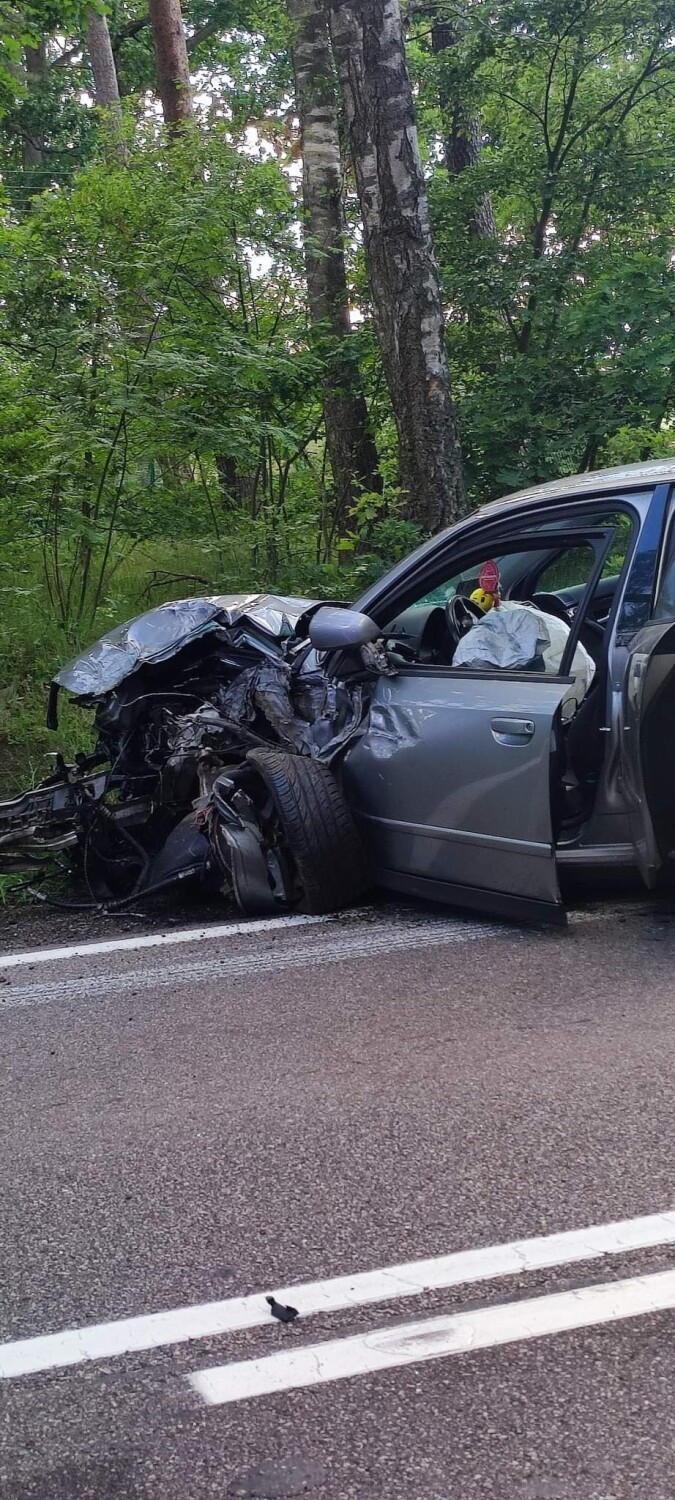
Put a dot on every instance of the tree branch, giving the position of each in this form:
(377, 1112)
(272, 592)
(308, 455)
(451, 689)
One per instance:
(202, 34)
(628, 93)
(577, 69)
(66, 57)
(131, 29)
(522, 104)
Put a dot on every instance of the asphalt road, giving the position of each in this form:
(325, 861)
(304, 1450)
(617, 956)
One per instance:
(206, 1120)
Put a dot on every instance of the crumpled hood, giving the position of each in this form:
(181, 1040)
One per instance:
(162, 632)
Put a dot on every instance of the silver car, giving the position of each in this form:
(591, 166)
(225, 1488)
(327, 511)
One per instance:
(472, 784)
(469, 775)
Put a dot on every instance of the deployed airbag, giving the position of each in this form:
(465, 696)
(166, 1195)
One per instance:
(521, 638)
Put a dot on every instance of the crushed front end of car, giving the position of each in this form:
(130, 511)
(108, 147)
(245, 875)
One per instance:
(216, 731)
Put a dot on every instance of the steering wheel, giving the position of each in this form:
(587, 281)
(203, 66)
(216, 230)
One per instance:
(592, 633)
(460, 615)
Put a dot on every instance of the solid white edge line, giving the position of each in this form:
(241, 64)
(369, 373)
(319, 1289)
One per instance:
(156, 1330)
(219, 930)
(158, 940)
(436, 1338)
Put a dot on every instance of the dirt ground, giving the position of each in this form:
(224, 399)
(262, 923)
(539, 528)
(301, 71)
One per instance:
(34, 924)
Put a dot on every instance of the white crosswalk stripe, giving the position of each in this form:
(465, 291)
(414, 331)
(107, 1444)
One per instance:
(436, 1338)
(233, 1315)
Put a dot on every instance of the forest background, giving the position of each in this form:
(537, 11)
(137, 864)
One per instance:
(287, 284)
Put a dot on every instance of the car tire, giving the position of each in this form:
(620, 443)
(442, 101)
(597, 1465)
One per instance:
(318, 829)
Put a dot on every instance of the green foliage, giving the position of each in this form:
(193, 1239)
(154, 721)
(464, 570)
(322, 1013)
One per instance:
(560, 330)
(157, 311)
(161, 422)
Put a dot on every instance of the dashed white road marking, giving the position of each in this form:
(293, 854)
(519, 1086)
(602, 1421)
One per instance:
(156, 1330)
(158, 940)
(360, 941)
(436, 1338)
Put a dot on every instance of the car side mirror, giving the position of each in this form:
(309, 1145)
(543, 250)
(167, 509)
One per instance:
(332, 629)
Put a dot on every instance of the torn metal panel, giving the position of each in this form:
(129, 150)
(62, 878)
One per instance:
(186, 851)
(181, 695)
(391, 727)
(262, 696)
(376, 659)
(162, 632)
(312, 715)
(253, 865)
(336, 712)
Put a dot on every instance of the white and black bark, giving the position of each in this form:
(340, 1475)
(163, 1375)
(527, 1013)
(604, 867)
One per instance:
(106, 85)
(171, 61)
(367, 39)
(462, 136)
(351, 448)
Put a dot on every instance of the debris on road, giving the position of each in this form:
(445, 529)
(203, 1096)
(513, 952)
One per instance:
(284, 1314)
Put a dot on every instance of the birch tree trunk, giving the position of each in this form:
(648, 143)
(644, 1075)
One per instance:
(171, 61)
(368, 45)
(351, 448)
(106, 87)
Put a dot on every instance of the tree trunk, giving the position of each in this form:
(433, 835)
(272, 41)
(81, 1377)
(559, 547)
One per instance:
(171, 59)
(32, 149)
(351, 449)
(462, 133)
(106, 87)
(368, 45)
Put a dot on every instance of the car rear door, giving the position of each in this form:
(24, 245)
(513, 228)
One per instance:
(647, 746)
(643, 672)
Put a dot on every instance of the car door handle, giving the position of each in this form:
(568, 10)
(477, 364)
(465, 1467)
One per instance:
(512, 731)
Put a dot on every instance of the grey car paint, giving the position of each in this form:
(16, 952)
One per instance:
(648, 678)
(456, 776)
(631, 479)
(452, 779)
(335, 629)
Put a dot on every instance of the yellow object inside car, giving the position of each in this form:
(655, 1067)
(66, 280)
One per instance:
(484, 600)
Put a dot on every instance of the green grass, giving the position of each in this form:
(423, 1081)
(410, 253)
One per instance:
(33, 646)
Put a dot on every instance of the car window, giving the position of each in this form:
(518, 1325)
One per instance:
(460, 583)
(511, 566)
(487, 617)
(572, 570)
(567, 568)
(520, 574)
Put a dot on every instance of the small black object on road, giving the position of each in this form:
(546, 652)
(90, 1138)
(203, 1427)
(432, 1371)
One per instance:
(284, 1314)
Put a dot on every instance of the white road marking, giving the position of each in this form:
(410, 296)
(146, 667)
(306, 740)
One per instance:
(436, 1338)
(204, 934)
(157, 940)
(156, 1330)
(360, 941)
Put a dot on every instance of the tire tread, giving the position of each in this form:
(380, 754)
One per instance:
(318, 825)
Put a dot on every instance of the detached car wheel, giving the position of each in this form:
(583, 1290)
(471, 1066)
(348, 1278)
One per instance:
(318, 830)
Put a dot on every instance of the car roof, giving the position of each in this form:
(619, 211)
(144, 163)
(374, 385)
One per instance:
(595, 482)
(625, 479)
